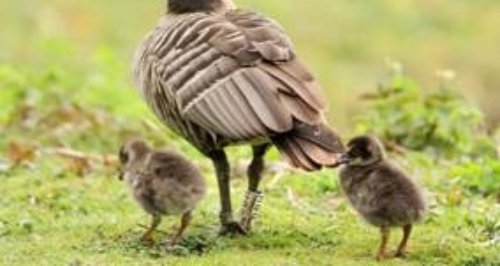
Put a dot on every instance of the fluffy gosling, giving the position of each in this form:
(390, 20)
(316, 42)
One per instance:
(163, 183)
(380, 192)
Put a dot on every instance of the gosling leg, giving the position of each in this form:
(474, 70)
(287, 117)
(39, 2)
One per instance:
(401, 252)
(384, 233)
(147, 237)
(185, 221)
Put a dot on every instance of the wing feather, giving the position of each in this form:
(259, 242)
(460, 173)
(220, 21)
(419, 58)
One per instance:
(212, 106)
(248, 115)
(308, 92)
(233, 74)
(228, 111)
(317, 154)
(264, 104)
(299, 156)
(300, 110)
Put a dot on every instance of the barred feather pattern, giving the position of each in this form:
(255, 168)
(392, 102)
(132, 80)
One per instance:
(224, 78)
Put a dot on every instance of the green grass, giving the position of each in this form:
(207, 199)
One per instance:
(55, 211)
(53, 218)
(64, 84)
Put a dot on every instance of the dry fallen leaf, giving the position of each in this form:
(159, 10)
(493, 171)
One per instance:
(19, 154)
(79, 166)
(110, 160)
(71, 154)
(81, 163)
(24, 115)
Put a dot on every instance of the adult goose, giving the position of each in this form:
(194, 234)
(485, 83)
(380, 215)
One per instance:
(218, 76)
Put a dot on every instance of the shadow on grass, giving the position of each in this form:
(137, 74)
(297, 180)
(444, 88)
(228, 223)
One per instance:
(202, 240)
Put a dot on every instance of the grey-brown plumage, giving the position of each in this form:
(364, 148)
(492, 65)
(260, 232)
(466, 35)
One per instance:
(220, 76)
(162, 182)
(381, 193)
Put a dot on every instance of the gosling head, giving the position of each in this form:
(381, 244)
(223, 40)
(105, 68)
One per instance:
(363, 151)
(131, 155)
(190, 6)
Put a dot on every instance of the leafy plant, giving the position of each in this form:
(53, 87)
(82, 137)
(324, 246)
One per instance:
(480, 177)
(442, 120)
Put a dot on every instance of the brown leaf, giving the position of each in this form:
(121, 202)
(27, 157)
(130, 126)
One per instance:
(69, 114)
(22, 116)
(81, 163)
(19, 154)
(392, 146)
(110, 160)
(79, 166)
(71, 154)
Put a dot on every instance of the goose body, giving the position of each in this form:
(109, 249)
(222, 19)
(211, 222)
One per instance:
(220, 76)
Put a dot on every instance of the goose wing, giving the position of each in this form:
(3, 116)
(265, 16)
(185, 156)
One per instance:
(234, 74)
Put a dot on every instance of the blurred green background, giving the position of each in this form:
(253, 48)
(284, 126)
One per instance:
(346, 43)
(67, 103)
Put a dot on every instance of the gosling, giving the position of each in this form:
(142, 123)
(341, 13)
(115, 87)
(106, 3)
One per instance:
(163, 183)
(380, 192)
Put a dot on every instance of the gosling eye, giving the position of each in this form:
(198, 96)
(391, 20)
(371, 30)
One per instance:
(359, 152)
(160, 171)
(365, 153)
(123, 156)
(355, 152)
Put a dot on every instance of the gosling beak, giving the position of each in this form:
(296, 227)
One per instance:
(344, 159)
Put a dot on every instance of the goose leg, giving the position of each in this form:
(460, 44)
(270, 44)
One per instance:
(228, 225)
(253, 197)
